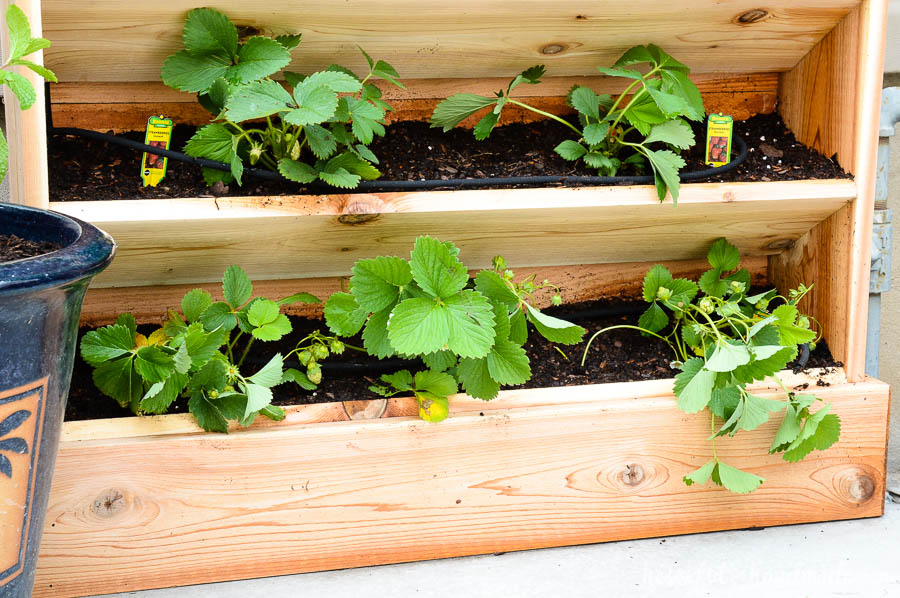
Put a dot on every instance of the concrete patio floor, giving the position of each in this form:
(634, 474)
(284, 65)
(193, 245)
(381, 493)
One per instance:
(844, 558)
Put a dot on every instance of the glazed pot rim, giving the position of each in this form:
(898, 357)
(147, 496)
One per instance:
(85, 251)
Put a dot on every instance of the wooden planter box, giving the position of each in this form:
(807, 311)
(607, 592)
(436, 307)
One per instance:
(150, 502)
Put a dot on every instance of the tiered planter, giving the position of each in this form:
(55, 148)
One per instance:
(151, 502)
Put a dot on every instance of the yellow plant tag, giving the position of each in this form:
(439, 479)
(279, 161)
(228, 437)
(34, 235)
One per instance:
(159, 134)
(719, 131)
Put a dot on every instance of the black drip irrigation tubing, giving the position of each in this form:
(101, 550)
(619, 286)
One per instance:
(372, 186)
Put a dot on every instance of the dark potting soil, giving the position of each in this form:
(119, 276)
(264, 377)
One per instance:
(16, 248)
(86, 169)
(621, 355)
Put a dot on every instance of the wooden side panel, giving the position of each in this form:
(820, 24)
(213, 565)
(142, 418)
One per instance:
(832, 101)
(110, 40)
(577, 283)
(126, 106)
(184, 509)
(192, 241)
(26, 131)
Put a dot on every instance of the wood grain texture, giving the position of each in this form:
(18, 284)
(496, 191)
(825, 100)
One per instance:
(838, 90)
(107, 40)
(26, 130)
(193, 240)
(577, 283)
(309, 497)
(126, 106)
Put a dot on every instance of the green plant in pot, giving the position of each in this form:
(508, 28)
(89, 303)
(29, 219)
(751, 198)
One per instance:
(46, 263)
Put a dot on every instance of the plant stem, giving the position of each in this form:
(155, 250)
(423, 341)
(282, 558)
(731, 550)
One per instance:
(607, 329)
(244, 354)
(547, 114)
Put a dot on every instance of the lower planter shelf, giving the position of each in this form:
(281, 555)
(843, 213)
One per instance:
(153, 502)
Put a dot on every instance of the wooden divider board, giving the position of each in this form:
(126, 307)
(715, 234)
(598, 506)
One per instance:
(552, 467)
(190, 241)
(110, 40)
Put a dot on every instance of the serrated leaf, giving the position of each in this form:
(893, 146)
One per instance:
(712, 284)
(262, 312)
(340, 177)
(635, 55)
(321, 141)
(153, 364)
(694, 386)
(761, 369)
(376, 282)
(207, 31)
(595, 133)
(207, 414)
(728, 357)
(212, 376)
(531, 76)
(756, 411)
(700, 475)
(553, 329)
(352, 164)
(723, 255)
(666, 165)
(274, 330)
(440, 361)
(42, 71)
(790, 333)
(806, 442)
(674, 132)
(486, 125)
(237, 286)
(106, 343)
(669, 104)
(299, 378)
(387, 72)
(195, 74)
(599, 161)
(270, 374)
(508, 363)
(219, 315)
(211, 141)
(476, 379)
(518, 327)
(202, 345)
(654, 319)
(162, 394)
(257, 100)
(314, 105)
(736, 480)
(194, 303)
(656, 277)
(470, 319)
(419, 326)
(375, 335)
(257, 58)
(436, 269)
(432, 408)
(436, 383)
(620, 72)
(289, 41)
(336, 81)
(299, 298)
(492, 286)
(570, 150)
(788, 430)
(343, 315)
(457, 108)
(678, 83)
(299, 172)
(724, 401)
(402, 380)
(119, 380)
(585, 101)
(19, 31)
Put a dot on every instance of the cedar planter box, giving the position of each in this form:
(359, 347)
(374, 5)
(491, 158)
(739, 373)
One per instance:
(150, 502)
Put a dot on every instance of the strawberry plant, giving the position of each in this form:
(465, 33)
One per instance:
(199, 354)
(724, 339)
(467, 332)
(318, 127)
(640, 129)
(21, 44)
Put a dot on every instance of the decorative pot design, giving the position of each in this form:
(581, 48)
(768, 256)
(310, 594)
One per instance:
(40, 304)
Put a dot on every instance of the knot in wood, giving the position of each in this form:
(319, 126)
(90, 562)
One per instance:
(245, 32)
(633, 474)
(753, 16)
(370, 409)
(862, 488)
(552, 49)
(109, 503)
(359, 212)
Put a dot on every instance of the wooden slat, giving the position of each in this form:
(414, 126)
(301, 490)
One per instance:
(838, 86)
(577, 283)
(126, 106)
(185, 509)
(108, 40)
(185, 423)
(26, 131)
(190, 241)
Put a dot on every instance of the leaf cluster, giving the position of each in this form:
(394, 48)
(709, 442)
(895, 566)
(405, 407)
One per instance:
(194, 355)
(312, 127)
(644, 125)
(21, 44)
(467, 332)
(725, 340)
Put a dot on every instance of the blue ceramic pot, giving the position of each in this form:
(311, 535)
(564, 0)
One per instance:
(40, 303)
